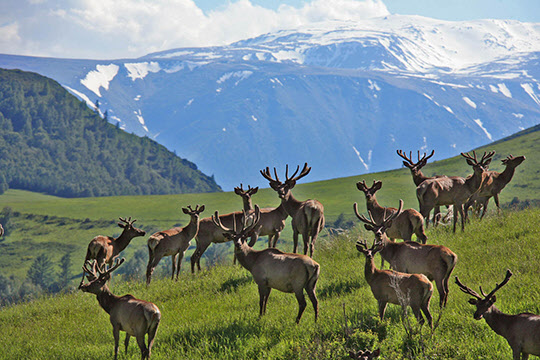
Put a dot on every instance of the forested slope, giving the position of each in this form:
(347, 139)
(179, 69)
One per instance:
(53, 143)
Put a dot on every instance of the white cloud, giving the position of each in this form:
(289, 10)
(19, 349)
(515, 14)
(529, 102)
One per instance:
(109, 29)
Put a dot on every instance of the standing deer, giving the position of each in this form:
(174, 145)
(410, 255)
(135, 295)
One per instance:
(105, 249)
(1, 230)
(419, 177)
(454, 190)
(272, 219)
(388, 286)
(364, 355)
(209, 233)
(272, 268)
(173, 242)
(493, 184)
(307, 216)
(434, 261)
(522, 331)
(135, 317)
(403, 226)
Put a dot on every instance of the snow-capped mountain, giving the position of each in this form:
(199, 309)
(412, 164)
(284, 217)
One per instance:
(341, 96)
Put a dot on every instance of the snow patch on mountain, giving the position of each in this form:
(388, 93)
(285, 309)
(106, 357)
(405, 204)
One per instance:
(469, 102)
(241, 75)
(101, 77)
(140, 70)
(504, 90)
(139, 116)
(479, 123)
(530, 90)
(80, 95)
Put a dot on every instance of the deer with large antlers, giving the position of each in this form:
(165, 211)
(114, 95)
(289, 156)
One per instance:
(407, 223)
(453, 190)
(522, 331)
(493, 184)
(307, 216)
(434, 261)
(135, 317)
(173, 242)
(272, 219)
(418, 176)
(272, 268)
(105, 249)
(388, 286)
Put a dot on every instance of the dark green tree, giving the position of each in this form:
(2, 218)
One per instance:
(41, 272)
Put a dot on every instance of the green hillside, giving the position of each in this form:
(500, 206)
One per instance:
(50, 142)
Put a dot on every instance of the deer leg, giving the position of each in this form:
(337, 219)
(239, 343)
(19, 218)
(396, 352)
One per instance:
(126, 342)
(436, 215)
(264, 293)
(152, 263)
(496, 198)
(417, 314)
(179, 263)
(151, 335)
(142, 346)
(427, 314)
(301, 304)
(295, 240)
(460, 210)
(196, 257)
(116, 335)
(306, 238)
(173, 265)
(442, 290)
(313, 298)
(276, 238)
(455, 217)
(382, 308)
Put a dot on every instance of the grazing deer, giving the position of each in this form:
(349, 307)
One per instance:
(173, 242)
(419, 177)
(364, 355)
(454, 190)
(272, 268)
(105, 249)
(135, 317)
(307, 216)
(434, 261)
(408, 222)
(272, 219)
(388, 286)
(522, 331)
(493, 184)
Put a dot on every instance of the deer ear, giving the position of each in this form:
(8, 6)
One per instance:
(470, 162)
(377, 352)
(186, 211)
(201, 209)
(377, 185)
(254, 190)
(237, 191)
(122, 225)
(368, 227)
(493, 299)
(486, 163)
(473, 301)
(407, 164)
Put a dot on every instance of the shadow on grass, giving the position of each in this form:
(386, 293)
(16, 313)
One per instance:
(338, 288)
(233, 284)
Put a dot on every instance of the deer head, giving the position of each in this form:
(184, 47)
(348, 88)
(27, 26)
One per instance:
(483, 303)
(129, 229)
(513, 161)
(98, 277)
(193, 212)
(377, 246)
(378, 229)
(364, 355)
(369, 192)
(414, 166)
(239, 236)
(481, 165)
(245, 193)
(283, 188)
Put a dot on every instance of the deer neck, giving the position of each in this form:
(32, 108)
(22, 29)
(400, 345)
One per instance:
(193, 227)
(107, 300)
(474, 181)
(376, 209)
(389, 249)
(247, 257)
(281, 211)
(123, 241)
(369, 269)
(248, 205)
(418, 177)
(507, 174)
(498, 321)
(290, 204)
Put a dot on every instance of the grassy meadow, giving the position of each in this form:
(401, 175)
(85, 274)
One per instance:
(214, 314)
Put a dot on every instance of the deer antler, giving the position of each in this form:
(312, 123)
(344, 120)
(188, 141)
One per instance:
(469, 291)
(362, 218)
(107, 270)
(498, 286)
(127, 222)
(304, 172)
(266, 174)
(424, 158)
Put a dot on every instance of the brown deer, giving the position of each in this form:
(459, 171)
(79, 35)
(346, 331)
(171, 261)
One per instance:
(454, 190)
(493, 184)
(434, 261)
(173, 242)
(522, 331)
(209, 233)
(272, 219)
(135, 317)
(419, 177)
(388, 286)
(105, 249)
(364, 355)
(1, 230)
(307, 216)
(408, 222)
(272, 268)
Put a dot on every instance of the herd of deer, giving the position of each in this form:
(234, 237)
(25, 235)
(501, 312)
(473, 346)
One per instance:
(414, 264)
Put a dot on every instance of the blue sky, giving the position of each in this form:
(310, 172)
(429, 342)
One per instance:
(111, 29)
